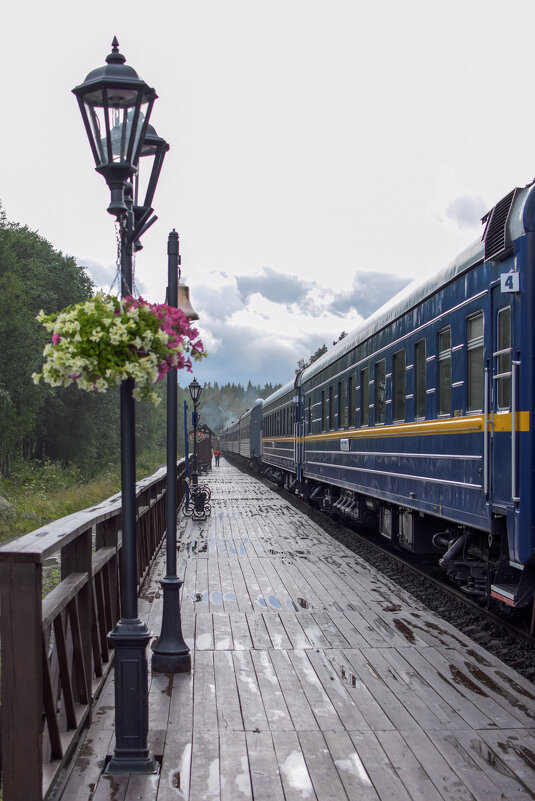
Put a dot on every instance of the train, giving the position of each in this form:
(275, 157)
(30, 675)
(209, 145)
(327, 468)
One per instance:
(420, 420)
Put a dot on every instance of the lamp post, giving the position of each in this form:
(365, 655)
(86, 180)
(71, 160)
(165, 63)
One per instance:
(171, 654)
(195, 390)
(116, 106)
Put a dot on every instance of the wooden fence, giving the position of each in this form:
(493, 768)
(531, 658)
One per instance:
(54, 649)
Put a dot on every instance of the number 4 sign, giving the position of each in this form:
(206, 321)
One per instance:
(510, 282)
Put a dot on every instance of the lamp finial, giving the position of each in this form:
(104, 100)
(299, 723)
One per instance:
(115, 57)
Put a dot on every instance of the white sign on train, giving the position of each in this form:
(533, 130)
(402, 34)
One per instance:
(510, 282)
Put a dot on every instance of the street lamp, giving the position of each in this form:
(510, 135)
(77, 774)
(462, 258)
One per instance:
(171, 654)
(116, 106)
(195, 390)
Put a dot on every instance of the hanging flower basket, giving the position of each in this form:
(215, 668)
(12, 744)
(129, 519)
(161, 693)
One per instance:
(103, 341)
(200, 436)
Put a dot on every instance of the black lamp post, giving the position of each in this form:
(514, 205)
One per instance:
(195, 390)
(116, 106)
(171, 654)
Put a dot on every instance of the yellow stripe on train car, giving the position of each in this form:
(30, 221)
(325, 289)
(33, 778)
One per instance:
(471, 424)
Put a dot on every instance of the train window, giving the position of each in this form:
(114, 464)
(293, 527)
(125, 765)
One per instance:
(331, 406)
(309, 416)
(474, 362)
(444, 371)
(380, 391)
(341, 405)
(352, 401)
(399, 391)
(323, 412)
(419, 379)
(503, 357)
(365, 396)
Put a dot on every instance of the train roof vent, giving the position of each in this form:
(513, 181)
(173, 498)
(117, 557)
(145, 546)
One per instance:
(497, 244)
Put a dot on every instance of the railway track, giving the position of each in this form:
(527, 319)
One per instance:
(507, 638)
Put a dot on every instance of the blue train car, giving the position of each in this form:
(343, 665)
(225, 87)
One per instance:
(243, 437)
(230, 438)
(422, 418)
(279, 432)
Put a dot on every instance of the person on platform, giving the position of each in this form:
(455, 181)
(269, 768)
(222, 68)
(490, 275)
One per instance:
(217, 454)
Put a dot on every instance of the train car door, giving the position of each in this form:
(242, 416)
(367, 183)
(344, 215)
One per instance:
(299, 428)
(501, 454)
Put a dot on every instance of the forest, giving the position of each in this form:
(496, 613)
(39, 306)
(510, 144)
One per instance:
(59, 447)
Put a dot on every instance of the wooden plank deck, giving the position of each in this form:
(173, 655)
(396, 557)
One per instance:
(313, 678)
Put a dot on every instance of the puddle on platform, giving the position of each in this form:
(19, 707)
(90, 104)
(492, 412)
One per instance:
(494, 687)
(525, 754)
(465, 681)
(274, 602)
(514, 685)
(404, 630)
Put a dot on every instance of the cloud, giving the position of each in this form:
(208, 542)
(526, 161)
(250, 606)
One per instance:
(368, 293)
(101, 275)
(258, 328)
(218, 302)
(275, 286)
(467, 210)
(106, 277)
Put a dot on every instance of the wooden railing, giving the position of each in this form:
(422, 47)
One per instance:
(54, 650)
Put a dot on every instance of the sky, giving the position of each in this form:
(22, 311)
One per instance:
(323, 153)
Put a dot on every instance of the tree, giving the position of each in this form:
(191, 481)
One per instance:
(302, 363)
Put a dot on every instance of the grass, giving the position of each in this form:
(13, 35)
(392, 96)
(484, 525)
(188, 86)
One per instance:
(40, 492)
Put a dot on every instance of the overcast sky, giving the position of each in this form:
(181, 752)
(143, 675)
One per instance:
(323, 152)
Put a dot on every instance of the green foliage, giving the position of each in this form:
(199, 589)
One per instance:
(38, 492)
(79, 430)
(220, 405)
(32, 276)
(302, 363)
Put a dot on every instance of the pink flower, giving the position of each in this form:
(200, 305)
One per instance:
(55, 339)
(163, 369)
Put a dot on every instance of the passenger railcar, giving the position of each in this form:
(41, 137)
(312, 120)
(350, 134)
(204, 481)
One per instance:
(279, 419)
(243, 437)
(422, 418)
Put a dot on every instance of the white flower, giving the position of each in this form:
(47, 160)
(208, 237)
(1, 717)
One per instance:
(96, 334)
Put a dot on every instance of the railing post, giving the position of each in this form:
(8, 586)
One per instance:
(107, 536)
(76, 558)
(22, 680)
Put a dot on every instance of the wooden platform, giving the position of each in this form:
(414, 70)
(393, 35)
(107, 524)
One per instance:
(313, 678)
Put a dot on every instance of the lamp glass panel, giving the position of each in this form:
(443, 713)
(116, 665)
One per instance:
(195, 390)
(111, 124)
(97, 126)
(142, 178)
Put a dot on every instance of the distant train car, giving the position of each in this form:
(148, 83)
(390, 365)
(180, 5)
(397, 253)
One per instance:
(421, 419)
(243, 437)
(279, 419)
(230, 438)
